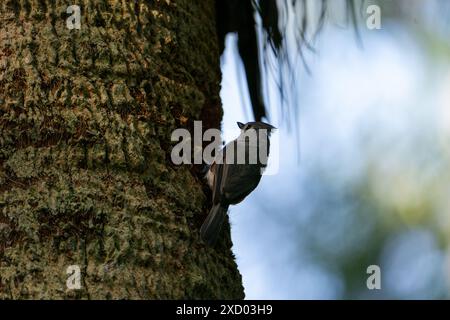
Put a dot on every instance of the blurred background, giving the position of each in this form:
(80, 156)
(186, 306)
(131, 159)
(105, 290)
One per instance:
(364, 166)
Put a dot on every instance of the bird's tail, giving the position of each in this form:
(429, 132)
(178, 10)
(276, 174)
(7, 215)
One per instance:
(213, 223)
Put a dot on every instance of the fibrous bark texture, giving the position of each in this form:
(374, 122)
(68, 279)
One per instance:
(85, 172)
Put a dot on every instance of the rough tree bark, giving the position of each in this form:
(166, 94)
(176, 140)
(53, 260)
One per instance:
(85, 171)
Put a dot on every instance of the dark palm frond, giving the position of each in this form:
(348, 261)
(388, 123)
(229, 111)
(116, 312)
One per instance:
(277, 19)
(238, 16)
(268, 12)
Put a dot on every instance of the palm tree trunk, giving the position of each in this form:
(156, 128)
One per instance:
(85, 173)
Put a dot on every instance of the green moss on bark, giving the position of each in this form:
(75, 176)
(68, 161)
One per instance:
(86, 117)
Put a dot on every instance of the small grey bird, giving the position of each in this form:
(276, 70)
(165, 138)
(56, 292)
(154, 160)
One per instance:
(235, 173)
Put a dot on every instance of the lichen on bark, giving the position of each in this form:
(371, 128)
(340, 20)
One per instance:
(85, 173)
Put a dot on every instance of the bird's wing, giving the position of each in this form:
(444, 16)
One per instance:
(240, 181)
(218, 173)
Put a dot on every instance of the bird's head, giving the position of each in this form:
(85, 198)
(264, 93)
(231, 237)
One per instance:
(255, 126)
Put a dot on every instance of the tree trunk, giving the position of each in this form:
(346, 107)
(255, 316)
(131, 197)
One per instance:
(85, 172)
